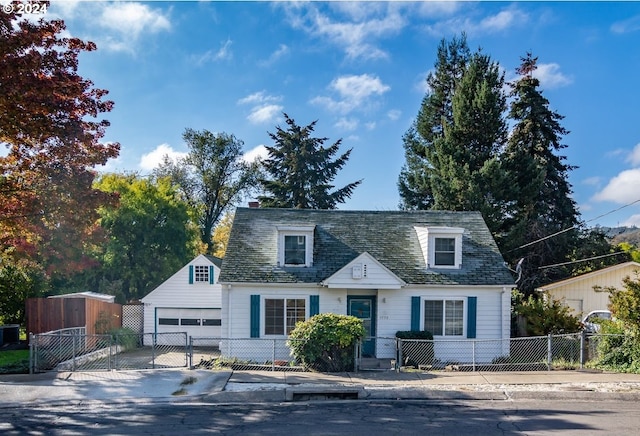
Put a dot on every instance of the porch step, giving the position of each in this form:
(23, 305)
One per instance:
(372, 364)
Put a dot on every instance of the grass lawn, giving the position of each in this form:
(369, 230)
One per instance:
(14, 362)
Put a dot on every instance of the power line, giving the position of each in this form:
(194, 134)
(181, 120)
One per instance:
(581, 260)
(573, 227)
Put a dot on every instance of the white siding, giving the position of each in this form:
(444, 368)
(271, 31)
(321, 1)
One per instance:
(176, 293)
(372, 275)
(579, 292)
(393, 314)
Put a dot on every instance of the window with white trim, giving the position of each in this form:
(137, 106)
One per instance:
(201, 273)
(444, 317)
(295, 245)
(441, 246)
(282, 314)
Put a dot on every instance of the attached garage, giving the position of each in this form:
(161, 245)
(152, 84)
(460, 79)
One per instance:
(189, 301)
(195, 322)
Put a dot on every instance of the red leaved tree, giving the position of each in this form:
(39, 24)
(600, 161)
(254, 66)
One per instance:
(51, 135)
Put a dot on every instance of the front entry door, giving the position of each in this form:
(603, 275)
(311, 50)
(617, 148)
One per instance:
(364, 307)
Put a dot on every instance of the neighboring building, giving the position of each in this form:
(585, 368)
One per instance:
(584, 293)
(188, 301)
(430, 270)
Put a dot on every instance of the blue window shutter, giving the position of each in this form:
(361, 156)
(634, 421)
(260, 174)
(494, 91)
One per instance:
(191, 274)
(211, 278)
(314, 305)
(255, 316)
(472, 305)
(415, 314)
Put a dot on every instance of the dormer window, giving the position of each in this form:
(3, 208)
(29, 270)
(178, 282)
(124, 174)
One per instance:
(295, 250)
(441, 246)
(295, 245)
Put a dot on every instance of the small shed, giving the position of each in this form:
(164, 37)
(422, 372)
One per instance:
(96, 312)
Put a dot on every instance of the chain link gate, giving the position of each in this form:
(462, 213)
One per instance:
(72, 350)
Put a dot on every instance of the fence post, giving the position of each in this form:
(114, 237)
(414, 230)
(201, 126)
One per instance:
(73, 350)
(583, 342)
(31, 353)
(153, 350)
(400, 358)
(473, 354)
(190, 353)
(549, 352)
(273, 356)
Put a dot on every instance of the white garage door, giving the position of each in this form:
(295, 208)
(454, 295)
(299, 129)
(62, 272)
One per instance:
(196, 322)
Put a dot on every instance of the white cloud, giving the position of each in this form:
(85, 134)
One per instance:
(632, 221)
(114, 26)
(347, 124)
(626, 26)
(507, 18)
(264, 114)
(394, 114)
(550, 76)
(154, 158)
(634, 156)
(592, 181)
(264, 108)
(257, 153)
(133, 18)
(353, 92)
(621, 189)
(357, 33)
(223, 53)
(259, 97)
(282, 51)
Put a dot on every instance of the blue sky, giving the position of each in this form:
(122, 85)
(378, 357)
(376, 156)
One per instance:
(359, 68)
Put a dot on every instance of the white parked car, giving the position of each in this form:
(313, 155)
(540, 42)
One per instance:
(591, 320)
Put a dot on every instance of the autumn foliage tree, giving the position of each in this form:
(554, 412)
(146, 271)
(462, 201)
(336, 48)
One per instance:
(51, 134)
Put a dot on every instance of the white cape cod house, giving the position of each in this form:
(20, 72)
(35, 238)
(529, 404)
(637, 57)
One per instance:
(429, 270)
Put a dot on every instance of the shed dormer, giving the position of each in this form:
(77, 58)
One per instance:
(441, 246)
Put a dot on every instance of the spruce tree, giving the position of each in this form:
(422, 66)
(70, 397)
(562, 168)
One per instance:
(301, 169)
(435, 113)
(543, 205)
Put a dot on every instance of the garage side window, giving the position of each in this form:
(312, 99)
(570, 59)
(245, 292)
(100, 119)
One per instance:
(202, 273)
(282, 314)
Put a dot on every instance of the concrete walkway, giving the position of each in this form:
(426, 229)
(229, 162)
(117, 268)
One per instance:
(68, 388)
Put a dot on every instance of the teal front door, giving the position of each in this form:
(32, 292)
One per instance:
(364, 307)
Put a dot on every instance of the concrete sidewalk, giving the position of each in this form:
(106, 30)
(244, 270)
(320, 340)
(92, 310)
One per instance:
(68, 388)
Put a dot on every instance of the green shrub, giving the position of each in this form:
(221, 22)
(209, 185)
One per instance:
(325, 342)
(125, 337)
(546, 316)
(409, 334)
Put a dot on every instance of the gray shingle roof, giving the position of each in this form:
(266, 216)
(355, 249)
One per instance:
(340, 236)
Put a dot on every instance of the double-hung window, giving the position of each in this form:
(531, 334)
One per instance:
(444, 317)
(295, 249)
(444, 251)
(282, 314)
(441, 246)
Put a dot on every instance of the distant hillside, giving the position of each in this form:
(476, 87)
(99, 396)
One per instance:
(622, 234)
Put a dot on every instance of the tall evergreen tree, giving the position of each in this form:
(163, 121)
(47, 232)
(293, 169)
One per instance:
(435, 113)
(543, 206)
(452, 149)
(301, 170)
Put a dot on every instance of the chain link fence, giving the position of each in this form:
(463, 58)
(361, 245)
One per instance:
(73, 350)
(242, 354)
(540, 353)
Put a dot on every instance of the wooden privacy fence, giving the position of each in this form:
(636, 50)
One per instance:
(48, 314)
